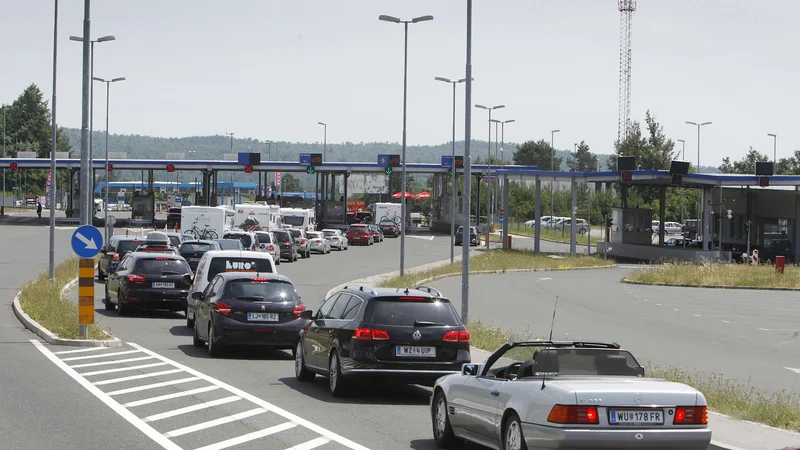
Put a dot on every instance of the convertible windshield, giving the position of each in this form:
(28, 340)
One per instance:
(526, 361)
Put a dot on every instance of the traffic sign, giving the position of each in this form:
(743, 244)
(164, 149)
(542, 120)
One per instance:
(500, 212)
(13, 167)
(170, 167)
(85, 240)
(500, 219)
(447, 161)
(110, 167)
(248, 169)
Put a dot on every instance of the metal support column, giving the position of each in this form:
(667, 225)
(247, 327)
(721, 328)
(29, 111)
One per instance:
(537, 216)
(573, 248)
(506, 212)
(662, 213)
(706, 217)
(344, 200)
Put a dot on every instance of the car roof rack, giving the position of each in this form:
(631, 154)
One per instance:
(430, 290)
(361, 287)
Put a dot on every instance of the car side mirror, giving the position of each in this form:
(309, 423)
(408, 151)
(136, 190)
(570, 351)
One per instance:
(471, 369)
(197, 295)
(307, 314)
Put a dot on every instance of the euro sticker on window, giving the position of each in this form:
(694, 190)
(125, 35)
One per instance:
(241, 266)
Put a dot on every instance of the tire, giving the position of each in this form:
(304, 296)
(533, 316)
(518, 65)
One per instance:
(100, 275)
(189, 322)
(121, 309)
(196, 341)
(308, 253)
(440, 419)
(512, 434)
(213, 349)
(300, 370)
(335, 380)
(107, 302)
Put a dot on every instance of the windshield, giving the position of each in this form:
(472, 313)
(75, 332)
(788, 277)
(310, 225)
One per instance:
(270, 291)
(127, 246)
(230, 244)
(564, 361)
(399, 311)
(295, 221)
(175, 240)
(196, 247)
(156, 266)
(358, 228)
(387, 224)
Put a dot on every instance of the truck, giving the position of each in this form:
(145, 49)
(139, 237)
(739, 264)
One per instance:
(269, 217)
(389, 212)
(300, 218)
(206, 222)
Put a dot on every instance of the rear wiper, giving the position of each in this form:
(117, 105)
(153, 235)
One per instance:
(423, 323)
(250, 297)
(169, 272)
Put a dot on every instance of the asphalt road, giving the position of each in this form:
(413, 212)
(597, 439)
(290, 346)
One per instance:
(743, 334)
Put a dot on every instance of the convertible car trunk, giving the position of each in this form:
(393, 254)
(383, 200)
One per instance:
(627, 391)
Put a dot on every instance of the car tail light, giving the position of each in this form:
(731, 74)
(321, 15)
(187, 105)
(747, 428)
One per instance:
(115, 258)
(162, 259)
(159, 248)
(298, 309)
(412, 299)
(572, 414)
(691, 415)
(271, 247)
(287, 243)
(370, 334)
(260, 280)
(302, 241)
(136, 278)
(462, 337)
(224, 309)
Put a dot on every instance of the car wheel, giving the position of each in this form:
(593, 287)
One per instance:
(308, 253)
(442, 431)
(189, 321)
(300, 370)
(100, 275)
(196, 341)
(512, 434)
(107, 301)
(213, 347)
(121, 309)
(335, 378)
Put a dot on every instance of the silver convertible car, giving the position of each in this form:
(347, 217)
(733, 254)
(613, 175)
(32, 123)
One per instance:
(566, 395)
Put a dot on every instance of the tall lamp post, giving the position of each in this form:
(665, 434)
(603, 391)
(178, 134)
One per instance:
(453, 213)
(699, 209)
(405, 23)
(552, 169)
(325, 139)
(90, 174)
(503, 137)
(489, 171)
(108, 97)
(774, 147)
(231, 135)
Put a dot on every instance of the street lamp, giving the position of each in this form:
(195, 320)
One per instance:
(552, 169)
(405, 23)
(90, 173)
(231, 135)
(325, 139)
(774, 148)
(488, 173)
(705, 225)
(108, 96)
(453, 213)
(698, 125)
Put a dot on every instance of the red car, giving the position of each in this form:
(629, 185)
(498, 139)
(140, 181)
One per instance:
(360, 234)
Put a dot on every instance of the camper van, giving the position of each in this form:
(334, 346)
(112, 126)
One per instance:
(302, 219)
(268, 216)
(389, 212)
(206, 222)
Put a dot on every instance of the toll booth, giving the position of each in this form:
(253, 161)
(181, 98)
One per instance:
(632, 226)
(143, 207)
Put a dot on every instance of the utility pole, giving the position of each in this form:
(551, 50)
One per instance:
(467, 170)
(86, 196)
(53, 140)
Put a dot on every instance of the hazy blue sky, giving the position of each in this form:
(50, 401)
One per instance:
(272, 69)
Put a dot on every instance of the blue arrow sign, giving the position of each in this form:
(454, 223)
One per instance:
(447, 161)
(86, 241)
(383, 160)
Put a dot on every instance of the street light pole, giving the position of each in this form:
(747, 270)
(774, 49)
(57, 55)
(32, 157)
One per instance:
(405, 23)
(774, 148)
(325, 139)
(699, 209)
(53, 139)
(453, 165)
(552, 169)
(108, 97)
(489, 217)
(231, 135)
(683, 192)
(467, 168)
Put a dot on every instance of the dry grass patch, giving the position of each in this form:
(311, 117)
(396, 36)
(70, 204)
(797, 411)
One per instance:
(550, 234)
(718, 274)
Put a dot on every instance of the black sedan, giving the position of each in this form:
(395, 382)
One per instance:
(290, 249)
(149, 281)
(389, 228)
(473, 236)
(240, 308)
(192, 251)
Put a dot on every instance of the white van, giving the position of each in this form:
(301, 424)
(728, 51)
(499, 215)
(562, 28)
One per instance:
(206, 222)
(217, 261)
(268, 216)
(303, 219)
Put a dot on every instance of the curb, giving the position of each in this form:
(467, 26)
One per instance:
(752, 288)
(51, 338)
(498, 272)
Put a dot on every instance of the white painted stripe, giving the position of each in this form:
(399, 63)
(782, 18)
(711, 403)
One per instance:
(314, 443)
(725, 321)
(215, 422)
(697, 315)
(252, 398)
(161, 398)
(105, 363)
(725, 446)
(111, 403)
(251, 437)
(764, 329)
(544, 279)
(81, 350)
(137, 377)
(188, 409)
(153, 386)
(675, 309)
(793, 369)
(104, 355)
(122, 369)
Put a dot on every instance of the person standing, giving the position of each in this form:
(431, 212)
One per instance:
(39, 208)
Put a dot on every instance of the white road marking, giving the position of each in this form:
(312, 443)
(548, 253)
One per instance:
(314, 443)
(80, 350)
(675, 309)
(136, 377)
(658, 304)
(153, 386)
(252, 436)
(104, 355)
(725, 321)
(188, 409)
(122, 369)
(215, 422)
(543, 279)
(105, 363)
(793, 369)
(697, 315)
(111, 403)
(764, 329)
(161, 398)
(421, 237)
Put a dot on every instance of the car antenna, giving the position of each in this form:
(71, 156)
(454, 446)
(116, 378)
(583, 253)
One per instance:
(546, 358)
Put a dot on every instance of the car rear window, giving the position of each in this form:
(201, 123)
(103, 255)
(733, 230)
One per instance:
(295, 221)
(243, 238)
(283, 236)
(275, 291)
(162, 266)
(405, 311)
(230, 244)
(358, 228)
(221, 264)
(175, 240)
(295, 233)
(264, 238)
(127, 246)
(329, 233)
(196, 247)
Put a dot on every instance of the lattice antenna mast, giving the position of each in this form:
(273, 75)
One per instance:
(626, 9)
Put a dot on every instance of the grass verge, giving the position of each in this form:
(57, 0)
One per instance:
(724, 395)
(550, 234)
(42, 301)
(718, 274)
(501, 260)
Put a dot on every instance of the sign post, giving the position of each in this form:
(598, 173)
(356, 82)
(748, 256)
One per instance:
(84, 244)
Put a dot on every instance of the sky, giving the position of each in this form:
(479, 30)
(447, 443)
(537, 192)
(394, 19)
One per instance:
(271, 70)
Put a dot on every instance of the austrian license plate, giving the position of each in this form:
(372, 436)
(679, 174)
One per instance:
(262, 317)
(161, 285)
(417, 352)
(636, 417)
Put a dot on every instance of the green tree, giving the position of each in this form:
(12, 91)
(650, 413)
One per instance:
(582, 160)
(652, 152)
(748, 163)
(789, 166)
(726, 166)
(290, 183)
(537, 153)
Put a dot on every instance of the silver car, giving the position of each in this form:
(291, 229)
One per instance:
(319, 242)
(268, 244)
(565, 395)
(337, 238)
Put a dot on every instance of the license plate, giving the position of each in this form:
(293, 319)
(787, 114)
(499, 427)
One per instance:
(418, 352)
(161, 285)
(636, 417)
(262, 317)
(194, 259)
